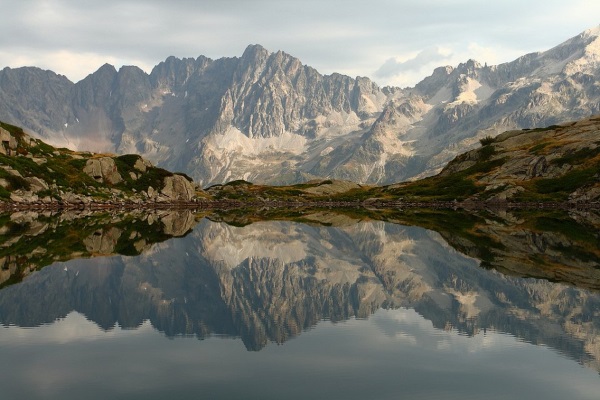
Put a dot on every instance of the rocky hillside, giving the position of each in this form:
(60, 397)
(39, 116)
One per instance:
(558, 163)
(34, 172)
(266, 118)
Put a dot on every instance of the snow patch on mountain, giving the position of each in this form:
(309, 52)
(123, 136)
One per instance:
(233, 140)
(336, 123)
(468, 92)
(232, 245)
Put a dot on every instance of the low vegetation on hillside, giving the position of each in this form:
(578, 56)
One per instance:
(32, 171)
(559, 163)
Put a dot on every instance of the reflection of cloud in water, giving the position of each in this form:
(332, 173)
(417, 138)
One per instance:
(73, 328)
(407, 326)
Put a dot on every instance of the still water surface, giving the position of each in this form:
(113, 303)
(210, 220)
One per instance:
(279, 309)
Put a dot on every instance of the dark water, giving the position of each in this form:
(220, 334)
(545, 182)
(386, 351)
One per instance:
(179, 306)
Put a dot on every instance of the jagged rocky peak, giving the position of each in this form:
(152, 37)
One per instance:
(431, 84)
(470, 68)
(273, 93)
(268, 118)
(255, 52)
(106, 69)
(30, 77)
(96, 88)
(175, 72)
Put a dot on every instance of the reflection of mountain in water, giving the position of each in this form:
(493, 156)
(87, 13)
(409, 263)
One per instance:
(270, 280)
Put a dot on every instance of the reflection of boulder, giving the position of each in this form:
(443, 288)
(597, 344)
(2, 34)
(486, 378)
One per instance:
(103, 241)
(177, 223)
(8, 267)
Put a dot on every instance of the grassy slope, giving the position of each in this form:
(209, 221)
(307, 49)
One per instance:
(64, 168)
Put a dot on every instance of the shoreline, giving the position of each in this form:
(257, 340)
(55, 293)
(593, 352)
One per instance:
(235, 204)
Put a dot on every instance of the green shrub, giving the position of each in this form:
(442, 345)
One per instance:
(128, 159)
(486, 153)
(486, 140)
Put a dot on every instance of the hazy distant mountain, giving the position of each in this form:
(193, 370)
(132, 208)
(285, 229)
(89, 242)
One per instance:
(267, 118)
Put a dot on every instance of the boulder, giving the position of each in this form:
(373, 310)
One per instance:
(103, 170)
(142, 165)
(22, 196)
(8, 143)
(36, 184)
(178, 188)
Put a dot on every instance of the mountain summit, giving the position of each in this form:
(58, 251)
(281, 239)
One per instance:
(265, 117)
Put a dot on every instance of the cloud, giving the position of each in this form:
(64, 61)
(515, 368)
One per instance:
(402, 40)
(393, 66)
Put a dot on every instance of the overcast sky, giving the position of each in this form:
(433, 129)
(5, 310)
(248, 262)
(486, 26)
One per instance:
(394, 42)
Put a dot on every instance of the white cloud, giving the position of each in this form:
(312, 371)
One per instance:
(74, 65)
(402, 71)
(74, 38)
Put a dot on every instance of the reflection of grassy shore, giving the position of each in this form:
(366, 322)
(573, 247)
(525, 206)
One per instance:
(553, 244)
(30, 241)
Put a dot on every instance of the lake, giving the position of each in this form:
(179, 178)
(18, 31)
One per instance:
(351, 304)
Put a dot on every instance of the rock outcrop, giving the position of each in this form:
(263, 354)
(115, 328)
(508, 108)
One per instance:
(103, 170)
(178, 188)
(561, 162)
(33, 172)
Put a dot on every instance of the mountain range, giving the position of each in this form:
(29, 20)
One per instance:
(267, 118)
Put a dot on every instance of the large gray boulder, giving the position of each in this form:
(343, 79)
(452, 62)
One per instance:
(103, 170)
(178, 188)
(8, 143)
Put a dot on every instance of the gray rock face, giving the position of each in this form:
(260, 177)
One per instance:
(37, 184)
(266, 118)
(178, 223)
(8, 143)
(103, 241)
(178, 188)
(103, 170)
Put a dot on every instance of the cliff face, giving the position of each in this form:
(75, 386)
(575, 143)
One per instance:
(267, 118)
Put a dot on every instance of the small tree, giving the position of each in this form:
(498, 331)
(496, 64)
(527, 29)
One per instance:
(486, 140)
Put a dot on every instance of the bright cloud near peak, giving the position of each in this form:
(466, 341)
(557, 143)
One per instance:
(394, 43)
